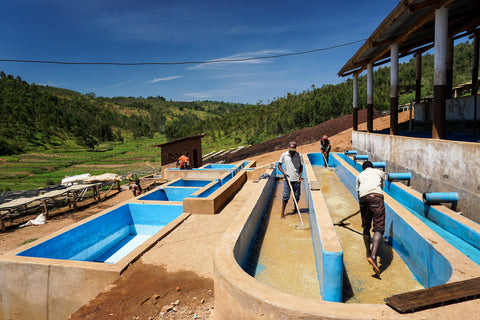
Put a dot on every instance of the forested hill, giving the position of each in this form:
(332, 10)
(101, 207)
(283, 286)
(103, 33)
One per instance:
(33, 117)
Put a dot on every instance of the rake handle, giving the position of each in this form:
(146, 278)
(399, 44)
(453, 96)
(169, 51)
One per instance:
(294, 200)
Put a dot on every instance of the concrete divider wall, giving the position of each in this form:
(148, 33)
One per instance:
(207, 190)
(179, 193)
(326, 246)
(189, 174)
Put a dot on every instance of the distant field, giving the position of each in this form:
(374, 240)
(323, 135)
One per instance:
(38, 169)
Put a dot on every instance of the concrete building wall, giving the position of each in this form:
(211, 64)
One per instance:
(459, 109)
(171, 152)
(435, 165)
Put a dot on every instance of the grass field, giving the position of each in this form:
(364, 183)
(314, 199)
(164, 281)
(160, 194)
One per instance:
(37, 169)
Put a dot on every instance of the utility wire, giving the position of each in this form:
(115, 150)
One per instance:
(181, 62)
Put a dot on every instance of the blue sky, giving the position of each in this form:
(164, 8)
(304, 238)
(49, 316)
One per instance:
(145, 31)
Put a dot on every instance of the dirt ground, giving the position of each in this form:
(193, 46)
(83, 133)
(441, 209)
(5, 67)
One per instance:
(181, 287)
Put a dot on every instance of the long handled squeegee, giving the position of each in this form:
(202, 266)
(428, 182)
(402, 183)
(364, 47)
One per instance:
(294, 200)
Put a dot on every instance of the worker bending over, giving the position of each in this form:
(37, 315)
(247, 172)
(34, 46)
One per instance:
(372, 208)
(183, 161)
(325, 148)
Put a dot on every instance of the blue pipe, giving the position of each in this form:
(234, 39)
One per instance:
(379, 165)
(360, 157)
(399, 176)
(347, 152)
(441, 197)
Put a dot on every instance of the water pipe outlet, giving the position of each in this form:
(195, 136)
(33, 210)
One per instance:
(401, 176)
(380, 165)
(347, 152)
(432, 198)
(360, 157)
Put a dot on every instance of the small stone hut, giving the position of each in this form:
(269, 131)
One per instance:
(170, 151)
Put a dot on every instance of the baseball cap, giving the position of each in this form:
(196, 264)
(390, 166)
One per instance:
(292, 146)
(324, 137)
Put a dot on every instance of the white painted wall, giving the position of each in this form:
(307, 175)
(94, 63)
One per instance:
(456, 110)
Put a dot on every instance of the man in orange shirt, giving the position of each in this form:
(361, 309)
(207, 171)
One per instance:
(182, 162)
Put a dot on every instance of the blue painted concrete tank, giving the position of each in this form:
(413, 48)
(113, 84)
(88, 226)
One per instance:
(110, 236)
(189, 183)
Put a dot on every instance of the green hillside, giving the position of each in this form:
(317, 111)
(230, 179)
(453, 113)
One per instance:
(47, 133)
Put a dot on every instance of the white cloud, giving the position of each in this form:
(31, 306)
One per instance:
(51, 83)
(121, 84)
(207, 94)
(163, 79)
(245, 57)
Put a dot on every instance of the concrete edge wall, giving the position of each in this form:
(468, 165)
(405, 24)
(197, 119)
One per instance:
(435, 165)
(459, 225)
(40, 292)
(240, 296)
(50, 289)
(214, 202)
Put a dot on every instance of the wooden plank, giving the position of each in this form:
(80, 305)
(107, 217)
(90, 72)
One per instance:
(2, 224)
(435, 296)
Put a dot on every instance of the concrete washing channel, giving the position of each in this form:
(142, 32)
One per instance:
(435, 244)
(53, 277)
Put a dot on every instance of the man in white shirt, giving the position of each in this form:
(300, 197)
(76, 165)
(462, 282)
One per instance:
(291, 161)
(372, 208)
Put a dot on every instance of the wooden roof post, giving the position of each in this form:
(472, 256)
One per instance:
(370, 97)
(449, 68)
(418, 77)
(440, 73)
(394, 89)
(475, 81)
(355, 102)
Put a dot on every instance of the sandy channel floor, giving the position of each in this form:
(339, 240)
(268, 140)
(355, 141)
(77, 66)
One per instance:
(361, 285)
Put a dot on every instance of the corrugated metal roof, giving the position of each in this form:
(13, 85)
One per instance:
(411, 25)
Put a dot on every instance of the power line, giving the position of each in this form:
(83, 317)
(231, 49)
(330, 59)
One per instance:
(181, 62)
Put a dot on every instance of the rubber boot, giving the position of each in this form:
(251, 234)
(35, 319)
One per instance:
(376, 243)
(372, 259)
